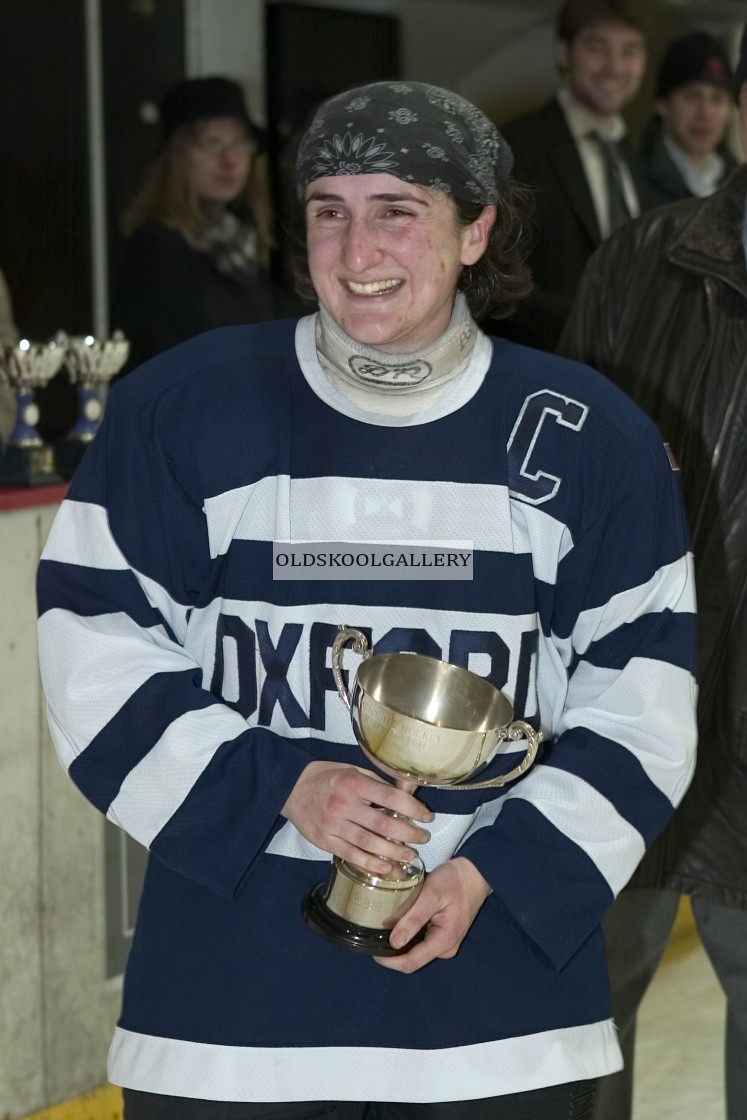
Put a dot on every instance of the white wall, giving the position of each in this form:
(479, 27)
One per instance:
(227, 37)
(486, 59)
(57, 1010)
(498, 57)
(499, 54)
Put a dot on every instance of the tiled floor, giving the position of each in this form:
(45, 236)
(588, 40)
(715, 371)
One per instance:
(679, 1073)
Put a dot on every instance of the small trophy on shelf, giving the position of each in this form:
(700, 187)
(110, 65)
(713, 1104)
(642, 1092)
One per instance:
(91, 363)
(25, 459)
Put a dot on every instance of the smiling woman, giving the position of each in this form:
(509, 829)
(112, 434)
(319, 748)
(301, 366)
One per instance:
(385, 257)
(213, 732)
(403, 209)
(442, 217)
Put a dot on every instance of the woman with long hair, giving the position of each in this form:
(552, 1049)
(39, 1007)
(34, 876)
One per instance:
(200, 229)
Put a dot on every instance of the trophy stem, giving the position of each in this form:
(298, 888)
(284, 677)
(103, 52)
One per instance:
(336, 909)
(406, 785)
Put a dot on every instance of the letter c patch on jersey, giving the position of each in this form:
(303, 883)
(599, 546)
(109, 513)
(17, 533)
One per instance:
(525, 477)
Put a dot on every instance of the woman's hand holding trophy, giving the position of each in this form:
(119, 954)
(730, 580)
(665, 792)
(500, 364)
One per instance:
(423, 722)
(339, 808)
(442, 914)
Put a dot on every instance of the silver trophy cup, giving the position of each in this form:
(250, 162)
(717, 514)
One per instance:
(91, 363)
(26, 460)
(423, 722)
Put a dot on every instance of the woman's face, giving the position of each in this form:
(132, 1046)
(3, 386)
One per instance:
(219, 157)
(385, 257)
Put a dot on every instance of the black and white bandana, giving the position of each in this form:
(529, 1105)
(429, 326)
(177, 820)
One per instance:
(416, 132)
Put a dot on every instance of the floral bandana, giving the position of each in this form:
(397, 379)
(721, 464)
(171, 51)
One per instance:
(416, 132)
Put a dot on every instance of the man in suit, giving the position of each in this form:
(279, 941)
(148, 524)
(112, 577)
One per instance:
(573, 152)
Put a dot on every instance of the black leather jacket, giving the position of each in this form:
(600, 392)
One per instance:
(662, 310)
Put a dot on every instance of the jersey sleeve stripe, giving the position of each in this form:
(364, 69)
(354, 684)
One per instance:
(601, 832)
(671, 586)
(156, 786)
(80, 534)
(614, 770)
(87, 593)
(103, 766)
(672, 641)
(107, 652)
(626, 708)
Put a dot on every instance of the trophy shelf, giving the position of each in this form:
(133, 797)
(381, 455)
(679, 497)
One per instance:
(24, 497)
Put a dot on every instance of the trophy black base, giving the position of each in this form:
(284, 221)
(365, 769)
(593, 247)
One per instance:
(28, 466)
(67, 454)
(346, 934)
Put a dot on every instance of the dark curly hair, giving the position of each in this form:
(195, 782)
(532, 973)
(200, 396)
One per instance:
(576, 15)
(495, 284)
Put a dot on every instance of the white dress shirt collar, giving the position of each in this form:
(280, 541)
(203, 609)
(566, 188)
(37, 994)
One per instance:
(581, 120)
(700, 181)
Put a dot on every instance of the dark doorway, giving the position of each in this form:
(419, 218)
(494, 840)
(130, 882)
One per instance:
(44, 237)
(312, 53)
(143, 52)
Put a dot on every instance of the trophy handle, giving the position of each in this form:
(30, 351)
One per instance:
(516, 730)
(360, 645)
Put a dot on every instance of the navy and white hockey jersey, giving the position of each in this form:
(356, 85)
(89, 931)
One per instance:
(188, 689)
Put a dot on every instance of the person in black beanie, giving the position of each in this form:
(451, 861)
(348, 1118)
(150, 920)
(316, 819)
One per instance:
(662, 310)
(684, 148)
(199, 228)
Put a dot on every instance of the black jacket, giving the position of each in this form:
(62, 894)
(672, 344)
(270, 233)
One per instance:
(167, 292)
(567, 229)
(662, 309)
(663, 178)
(164, 293)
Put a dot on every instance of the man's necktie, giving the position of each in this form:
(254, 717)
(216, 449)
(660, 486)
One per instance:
(619, 213)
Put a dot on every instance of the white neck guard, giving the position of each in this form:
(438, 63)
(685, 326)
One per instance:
(399, 384)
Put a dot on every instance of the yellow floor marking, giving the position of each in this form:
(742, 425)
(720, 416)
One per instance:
(684, 937)
(104, 1103)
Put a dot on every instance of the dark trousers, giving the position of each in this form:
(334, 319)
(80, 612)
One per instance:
(558, 1102)
(636, 931)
